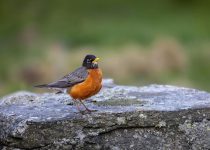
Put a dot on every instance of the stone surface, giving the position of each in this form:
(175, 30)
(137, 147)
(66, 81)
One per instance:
(127, 117)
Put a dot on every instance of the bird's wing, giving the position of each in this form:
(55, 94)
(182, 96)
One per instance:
(78, 76)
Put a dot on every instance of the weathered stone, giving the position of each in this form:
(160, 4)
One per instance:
(127, 117)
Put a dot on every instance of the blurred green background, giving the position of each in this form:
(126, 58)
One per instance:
(139, 41)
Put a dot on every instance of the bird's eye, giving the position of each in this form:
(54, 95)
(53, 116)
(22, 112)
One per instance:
(88, 60)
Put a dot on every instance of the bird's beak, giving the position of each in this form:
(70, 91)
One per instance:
(96, 60)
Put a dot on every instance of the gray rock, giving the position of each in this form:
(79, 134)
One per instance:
(127, 117)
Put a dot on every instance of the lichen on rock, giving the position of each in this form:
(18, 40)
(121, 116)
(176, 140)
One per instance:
(127, 117)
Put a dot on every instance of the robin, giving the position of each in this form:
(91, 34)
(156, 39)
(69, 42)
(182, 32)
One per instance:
(81, 84)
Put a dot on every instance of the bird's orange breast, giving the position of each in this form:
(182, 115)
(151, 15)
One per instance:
(89, 87)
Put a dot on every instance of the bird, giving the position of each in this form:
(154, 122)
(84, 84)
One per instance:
(82, 83)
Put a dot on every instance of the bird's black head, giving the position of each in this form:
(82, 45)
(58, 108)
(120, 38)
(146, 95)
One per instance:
(90, 62)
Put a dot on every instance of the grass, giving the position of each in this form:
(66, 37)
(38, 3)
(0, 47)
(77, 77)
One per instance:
(140, 42)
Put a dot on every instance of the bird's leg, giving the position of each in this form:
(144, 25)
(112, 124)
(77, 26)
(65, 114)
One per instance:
(77, 105)
(86, 106)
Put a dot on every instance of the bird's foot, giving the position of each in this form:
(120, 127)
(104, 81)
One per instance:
(87, 111)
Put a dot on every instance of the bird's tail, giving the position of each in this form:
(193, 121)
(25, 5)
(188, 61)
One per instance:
(41, 86)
